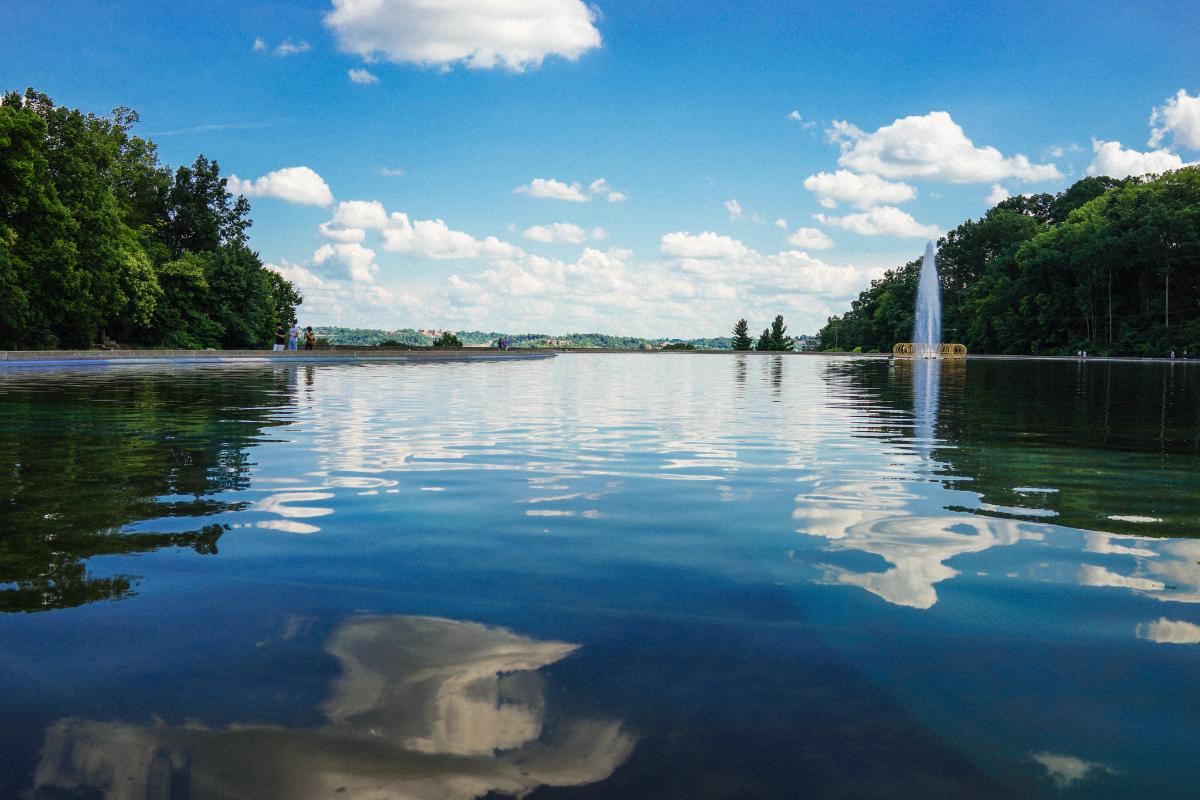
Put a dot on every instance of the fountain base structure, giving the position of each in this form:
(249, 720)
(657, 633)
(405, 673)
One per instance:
(940, 350)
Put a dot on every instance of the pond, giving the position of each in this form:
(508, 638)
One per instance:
(601, 575)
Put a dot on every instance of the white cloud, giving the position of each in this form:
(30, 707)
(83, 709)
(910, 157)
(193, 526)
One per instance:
(293, 184)
(998, 194)
(259, 44)
(1066, 770)
(1116, 162)
(882, 221)
(398, 234)
(553, 190)
(811, 239)
(290, 48)
(514, 35)
(932, 147)
(391, 172)
(1169, 631)
(298, 274)
(355, 261)
(734, 208)
(704, 245)
(862, 191)
(342, 234)
(781, 223)
(562, 232)
(362, 76)
(1178, 116)
(795, 116)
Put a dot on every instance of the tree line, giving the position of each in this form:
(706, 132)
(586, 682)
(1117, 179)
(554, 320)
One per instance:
(98, 240)
(774, 338)
(1109, 266)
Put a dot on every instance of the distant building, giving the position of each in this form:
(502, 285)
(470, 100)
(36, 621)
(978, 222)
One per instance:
(805, 343)
(432, 333)
(556, 342)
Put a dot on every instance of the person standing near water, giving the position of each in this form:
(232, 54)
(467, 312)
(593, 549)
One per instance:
(310, 338)
(293, 336)
(280, 338)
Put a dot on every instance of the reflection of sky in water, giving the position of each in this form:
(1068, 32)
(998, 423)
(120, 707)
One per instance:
(718, 536)
(423, 707)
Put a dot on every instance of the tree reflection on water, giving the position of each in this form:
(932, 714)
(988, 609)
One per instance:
(87, 455)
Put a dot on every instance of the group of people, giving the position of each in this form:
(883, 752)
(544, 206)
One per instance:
(290, 338)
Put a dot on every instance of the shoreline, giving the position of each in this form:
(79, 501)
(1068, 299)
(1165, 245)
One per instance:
(30, 358)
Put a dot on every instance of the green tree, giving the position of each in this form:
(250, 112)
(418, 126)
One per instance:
(764, 340)
(447, 339)
(779, 339)
(741, 336)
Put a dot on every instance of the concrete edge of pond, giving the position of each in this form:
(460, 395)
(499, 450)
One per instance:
(105, 358)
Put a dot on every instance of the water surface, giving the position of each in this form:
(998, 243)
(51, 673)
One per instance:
(601, 576)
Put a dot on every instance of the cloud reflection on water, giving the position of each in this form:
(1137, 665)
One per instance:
(424, 708)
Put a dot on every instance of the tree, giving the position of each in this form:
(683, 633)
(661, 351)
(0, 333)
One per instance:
(447, 339)
(764, 340)
(741, 336)
(779, 339)
(98, 239)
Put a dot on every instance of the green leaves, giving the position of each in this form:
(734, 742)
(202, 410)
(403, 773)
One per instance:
(1107, 266)
(96, 237)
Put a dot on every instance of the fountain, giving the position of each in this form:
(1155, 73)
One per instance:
(927, 330)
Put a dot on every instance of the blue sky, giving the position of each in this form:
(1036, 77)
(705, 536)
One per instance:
(453, 184)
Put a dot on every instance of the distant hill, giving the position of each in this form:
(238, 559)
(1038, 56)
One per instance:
(370, 337)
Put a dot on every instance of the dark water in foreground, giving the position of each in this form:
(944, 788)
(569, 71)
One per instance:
(601, 576)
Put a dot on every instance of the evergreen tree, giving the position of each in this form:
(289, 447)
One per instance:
(741, 336)
(779, 339)
(764, 341)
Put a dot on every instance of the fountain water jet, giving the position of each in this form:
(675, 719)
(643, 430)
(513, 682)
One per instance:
(927, 329)
(927, 332)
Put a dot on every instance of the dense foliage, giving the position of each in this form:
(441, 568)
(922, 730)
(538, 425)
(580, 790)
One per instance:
(1108, 266)
(98, 240)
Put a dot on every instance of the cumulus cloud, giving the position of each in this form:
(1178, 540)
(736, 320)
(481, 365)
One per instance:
(704, 245)
(1179, 116)
(701, 278)
(293, 184)
(553, 190)
(932, 147)
(780, 223)
(861, 191)
(811, 239)
(334, 299)
(398, 234)
(562, 233)
(734, 208)
(290, 48)
(348, 259)
(363, 77)
(998, 194)
(391, 172)
(1169, 631)
(479, 35)
(882, 221)
(1117, 162)
(259, 44)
